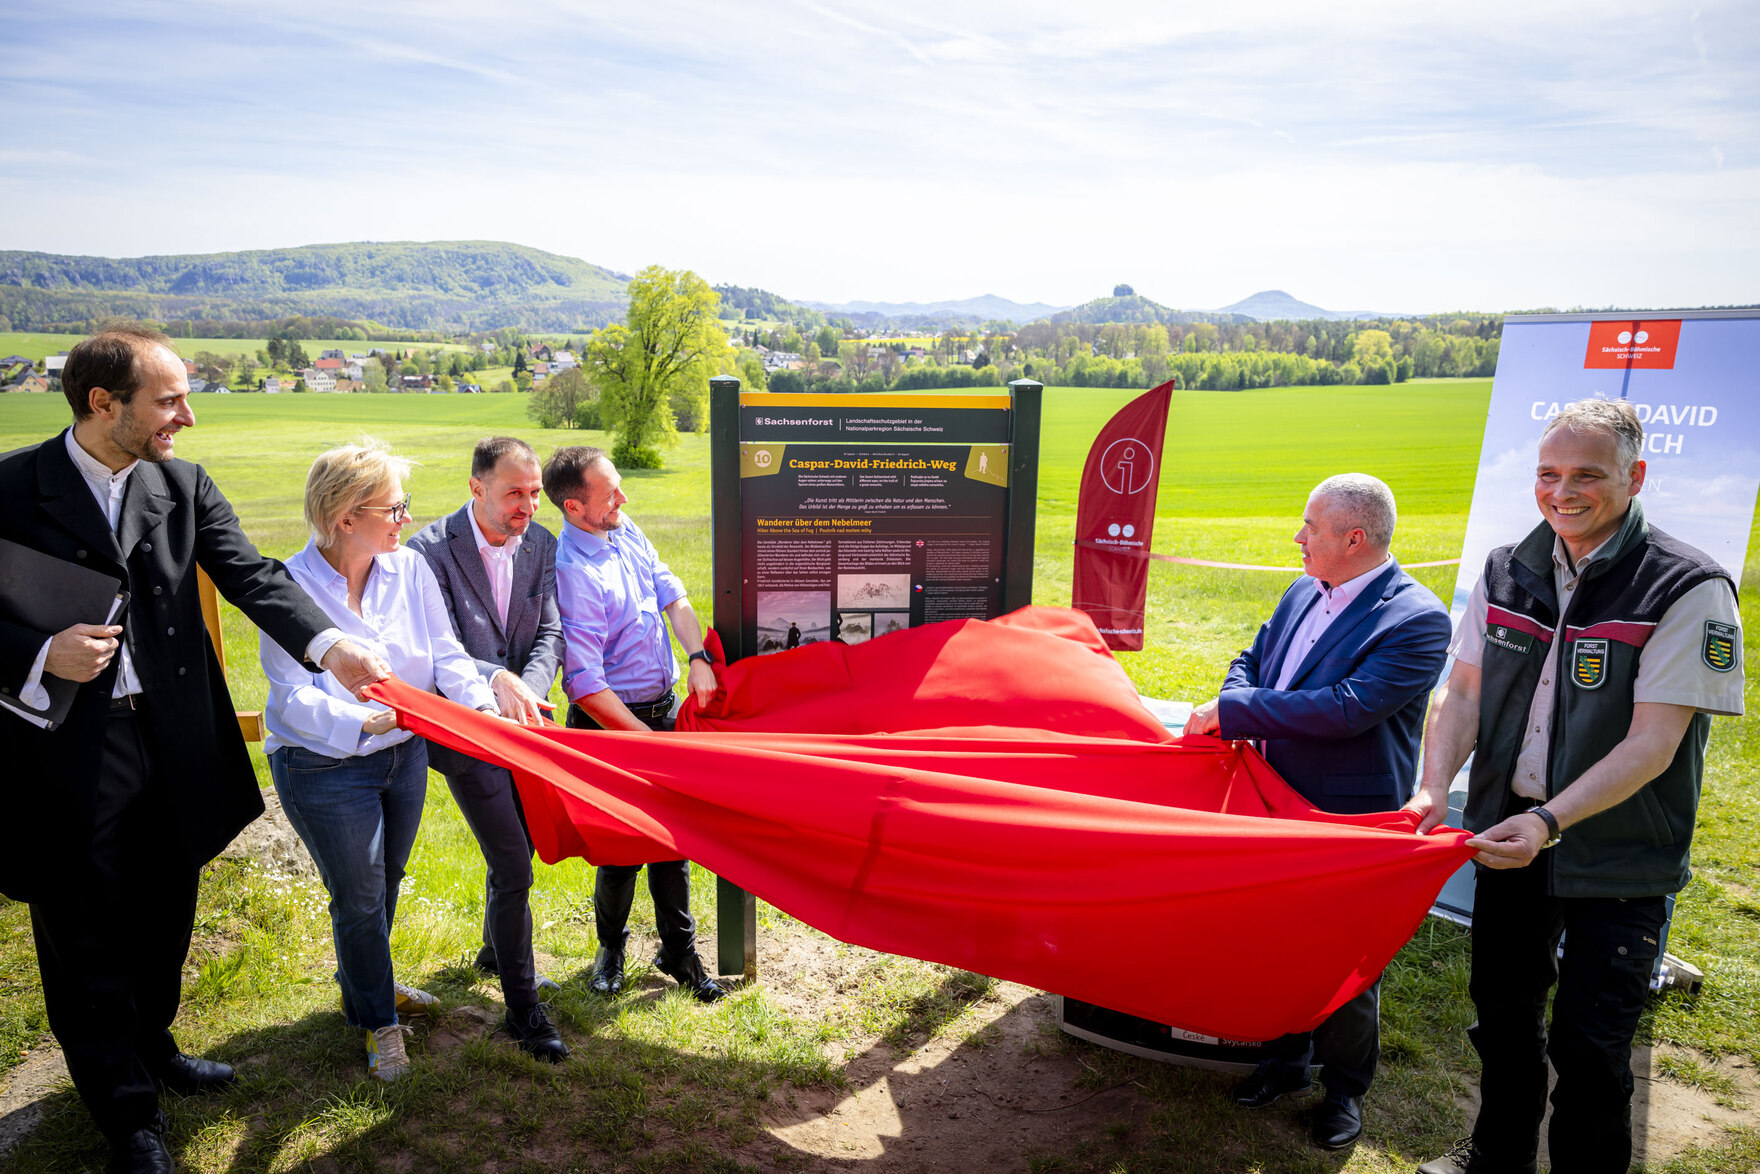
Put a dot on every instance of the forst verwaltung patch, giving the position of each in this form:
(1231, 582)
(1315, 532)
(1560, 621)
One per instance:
(1588, 663)
(1719, 648)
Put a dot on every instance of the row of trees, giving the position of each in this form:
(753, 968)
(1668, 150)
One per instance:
(647, 379)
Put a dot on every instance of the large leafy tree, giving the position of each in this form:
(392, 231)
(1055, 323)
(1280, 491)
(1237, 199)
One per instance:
(661, 361)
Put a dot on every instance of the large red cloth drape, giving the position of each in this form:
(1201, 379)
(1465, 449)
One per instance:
(1182, 881)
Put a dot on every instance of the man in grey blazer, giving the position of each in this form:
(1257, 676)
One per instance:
(497, 570)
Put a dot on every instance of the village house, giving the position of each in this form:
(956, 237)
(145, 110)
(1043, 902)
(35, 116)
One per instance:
(272, 385)
(332, 365)
(350, 385)
(31, 382)
(331, 354)
(354, 371)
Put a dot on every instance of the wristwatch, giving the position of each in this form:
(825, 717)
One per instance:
(1551, 822)
(701, 654)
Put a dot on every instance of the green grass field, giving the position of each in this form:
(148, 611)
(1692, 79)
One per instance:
(658, 1084)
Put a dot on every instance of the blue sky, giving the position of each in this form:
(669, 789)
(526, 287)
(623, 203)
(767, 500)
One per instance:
(1390, 156)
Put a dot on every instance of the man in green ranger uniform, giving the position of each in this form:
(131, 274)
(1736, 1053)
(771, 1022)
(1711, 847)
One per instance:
(1587, 666)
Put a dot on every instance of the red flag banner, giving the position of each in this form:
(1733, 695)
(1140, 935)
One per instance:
(996, 834)
(1115, 518)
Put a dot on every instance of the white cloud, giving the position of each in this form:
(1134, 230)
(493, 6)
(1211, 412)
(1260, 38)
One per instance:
(1377, 156)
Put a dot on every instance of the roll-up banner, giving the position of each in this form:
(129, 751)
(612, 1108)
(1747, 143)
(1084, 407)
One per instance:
(1692, 378)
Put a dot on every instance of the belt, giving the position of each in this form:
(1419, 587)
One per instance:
(126, 703)
(658, 707)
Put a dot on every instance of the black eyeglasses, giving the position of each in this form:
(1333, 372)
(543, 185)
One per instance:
(397, 513)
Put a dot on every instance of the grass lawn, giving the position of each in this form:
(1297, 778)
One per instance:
(660, 1084)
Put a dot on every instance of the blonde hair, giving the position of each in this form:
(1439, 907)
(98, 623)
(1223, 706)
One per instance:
(342, 479)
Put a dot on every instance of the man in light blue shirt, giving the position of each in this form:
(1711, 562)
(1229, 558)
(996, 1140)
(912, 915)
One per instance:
(617, 598)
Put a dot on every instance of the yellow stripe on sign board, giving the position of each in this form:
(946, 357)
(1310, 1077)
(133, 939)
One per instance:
(762, 399)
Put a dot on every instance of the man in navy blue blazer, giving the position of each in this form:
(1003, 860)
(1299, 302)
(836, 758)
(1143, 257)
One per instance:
(1335, 686)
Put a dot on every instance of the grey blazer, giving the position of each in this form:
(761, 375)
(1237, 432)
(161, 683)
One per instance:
(531, 644)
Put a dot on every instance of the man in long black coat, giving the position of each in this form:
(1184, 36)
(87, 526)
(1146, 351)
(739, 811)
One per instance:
(107, 819)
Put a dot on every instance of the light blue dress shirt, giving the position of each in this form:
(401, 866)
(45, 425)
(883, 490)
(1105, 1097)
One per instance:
(403, 619)
(613, 593)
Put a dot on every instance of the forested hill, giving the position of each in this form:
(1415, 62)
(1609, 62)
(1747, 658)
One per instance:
(436, 285)
(1134, 307)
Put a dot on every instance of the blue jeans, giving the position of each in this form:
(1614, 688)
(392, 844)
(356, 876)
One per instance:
(358, 817)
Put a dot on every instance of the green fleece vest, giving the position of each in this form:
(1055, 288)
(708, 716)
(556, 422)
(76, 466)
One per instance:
(1638, 848)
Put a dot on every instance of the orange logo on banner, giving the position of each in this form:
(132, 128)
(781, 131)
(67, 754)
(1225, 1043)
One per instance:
(1648, 345)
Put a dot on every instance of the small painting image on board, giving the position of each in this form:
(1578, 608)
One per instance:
(867, 589)
(789, 619)
(888, 622)
(852, 627)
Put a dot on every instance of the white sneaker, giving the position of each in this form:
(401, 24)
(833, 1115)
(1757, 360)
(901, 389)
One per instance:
(386, 1059)
(411, 1001)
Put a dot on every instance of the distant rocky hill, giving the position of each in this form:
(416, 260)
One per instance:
(1137, 308)
(433, 285)
(1273, 305)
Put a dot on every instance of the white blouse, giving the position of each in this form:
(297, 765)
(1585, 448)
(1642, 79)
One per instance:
(403, 620)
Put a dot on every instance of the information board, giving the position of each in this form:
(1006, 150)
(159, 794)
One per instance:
(848, 517)
(861, 516)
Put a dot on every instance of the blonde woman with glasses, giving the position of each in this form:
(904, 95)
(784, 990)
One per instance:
(351, 782)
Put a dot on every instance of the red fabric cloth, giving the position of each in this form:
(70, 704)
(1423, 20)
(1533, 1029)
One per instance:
(1178, 880)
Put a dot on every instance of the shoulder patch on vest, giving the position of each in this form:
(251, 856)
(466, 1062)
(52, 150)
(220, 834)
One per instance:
(1589, 663)
(1510, 638)
(1719, 649)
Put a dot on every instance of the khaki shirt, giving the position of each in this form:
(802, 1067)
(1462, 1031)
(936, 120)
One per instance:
(1671, 667)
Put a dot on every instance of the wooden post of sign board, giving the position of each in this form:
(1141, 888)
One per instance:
(250, 722)
(736, 911)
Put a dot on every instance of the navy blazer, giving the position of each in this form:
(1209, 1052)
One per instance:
(530, 646)
(1346, 732)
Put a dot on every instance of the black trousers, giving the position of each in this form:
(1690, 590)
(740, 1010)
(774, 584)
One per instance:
(489, 802)
(1610, 949)
(112, 943)
(1346, 1047)
(669, 882)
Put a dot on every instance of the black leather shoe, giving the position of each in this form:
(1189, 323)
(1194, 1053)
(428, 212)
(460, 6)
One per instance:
(607, 976)
(1267, 1086)
(190, 1075)
(142, 1152)
(1338, 1122)
(1463, 1157)
(688, 974)
(536, 1035)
